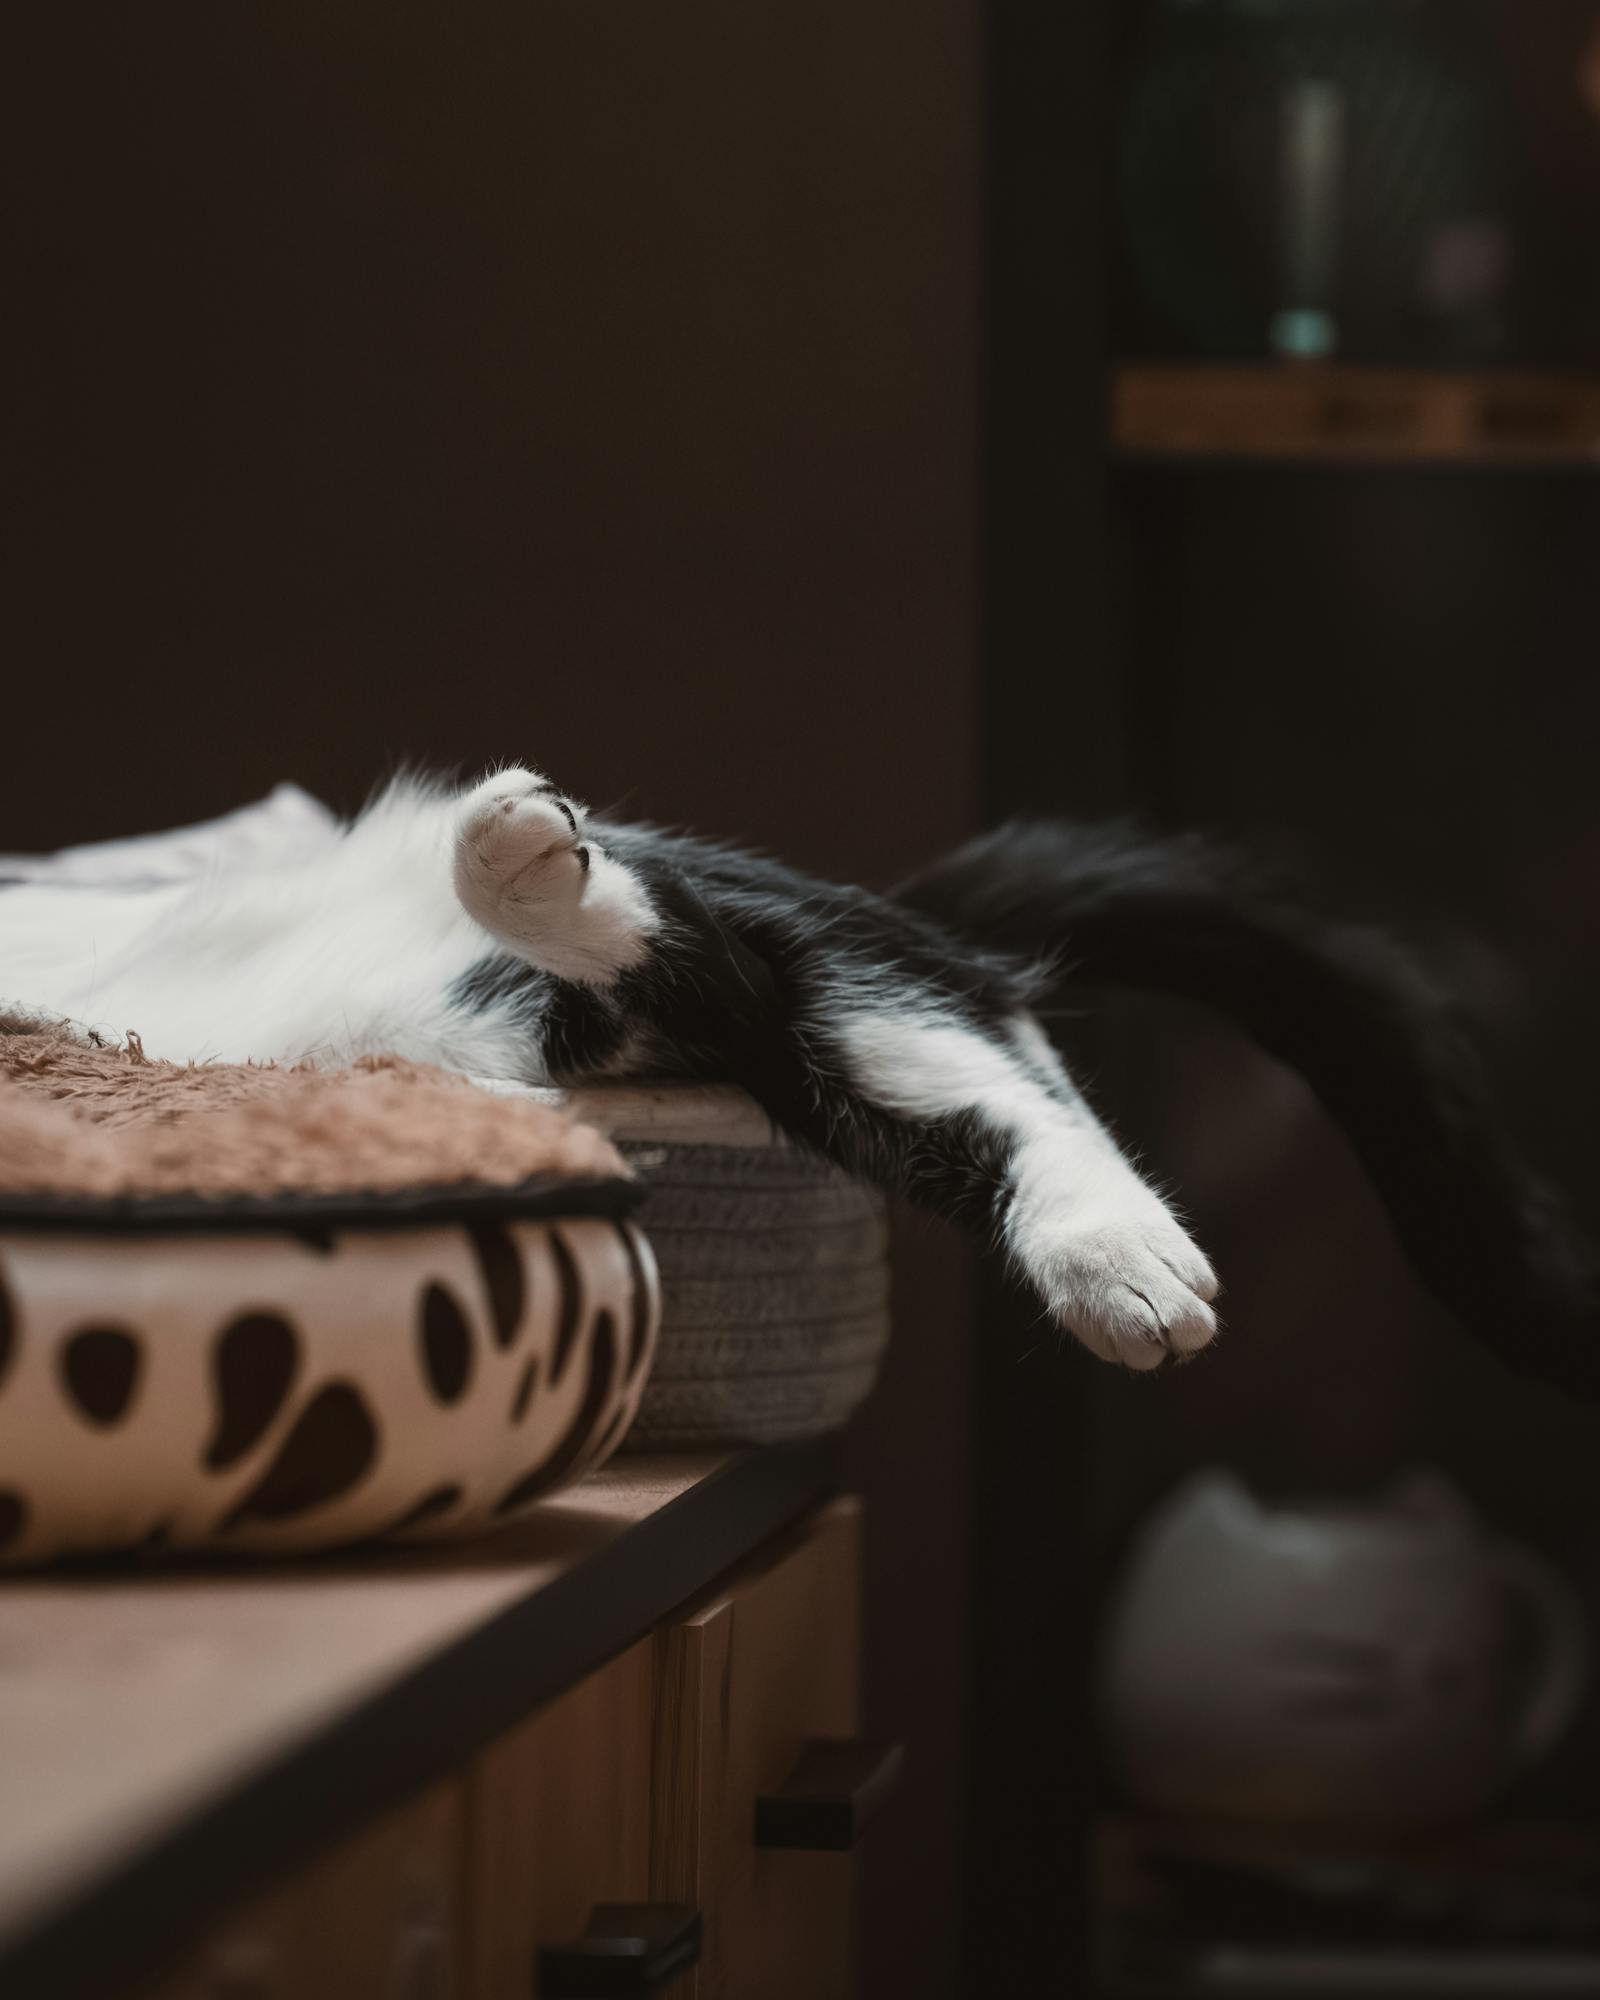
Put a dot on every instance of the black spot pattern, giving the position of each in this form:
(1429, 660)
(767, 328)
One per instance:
(428, 1508)
(571, 1312)
(100, 1371)
(639, 1323)
(8, 1326)
(329, 1449)
(566, 1455)
(314, 1236)
(500, 1262)
(446, 1344)
(525, 1388)
(253, 1368)
(13, 1515)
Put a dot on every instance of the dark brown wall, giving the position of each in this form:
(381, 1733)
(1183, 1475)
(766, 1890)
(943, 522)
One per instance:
(590, 383)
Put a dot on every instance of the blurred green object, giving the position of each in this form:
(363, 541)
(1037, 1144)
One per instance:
(1315, 176)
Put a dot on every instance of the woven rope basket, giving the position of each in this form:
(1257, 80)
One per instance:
(774, 1274)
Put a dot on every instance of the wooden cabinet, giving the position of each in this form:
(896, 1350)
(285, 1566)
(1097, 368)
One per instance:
(379, 1917)
(641, 1784)
(558, 1820)
(742, 1683)
(638, 1785)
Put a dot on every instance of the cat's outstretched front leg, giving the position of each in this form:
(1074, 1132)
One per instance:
(528, 870)
(904, 1055)
(1112, 1263)
(911, 1058)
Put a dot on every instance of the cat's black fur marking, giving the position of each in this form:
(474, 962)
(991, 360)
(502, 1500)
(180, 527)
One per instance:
(754, 953)
(758, 946)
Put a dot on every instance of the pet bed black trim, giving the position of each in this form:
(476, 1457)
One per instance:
(539, 1196)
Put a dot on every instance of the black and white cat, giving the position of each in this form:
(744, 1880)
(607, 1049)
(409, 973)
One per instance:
(503, 933)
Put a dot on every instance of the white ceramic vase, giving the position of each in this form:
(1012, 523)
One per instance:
(1390, 1664)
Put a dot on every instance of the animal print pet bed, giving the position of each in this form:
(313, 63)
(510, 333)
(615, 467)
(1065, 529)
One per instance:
(254, 1309)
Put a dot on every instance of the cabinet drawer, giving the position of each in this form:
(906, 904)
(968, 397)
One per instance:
(558, 1820)
(741, 1684)
(378, 1917)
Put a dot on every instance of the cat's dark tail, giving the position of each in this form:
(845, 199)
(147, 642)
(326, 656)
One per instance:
(1385, 1052)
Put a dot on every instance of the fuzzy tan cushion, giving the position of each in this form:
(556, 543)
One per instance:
(81, 1119)
(253, 1308)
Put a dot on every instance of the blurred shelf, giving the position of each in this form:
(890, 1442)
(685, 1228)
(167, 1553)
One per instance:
(1329, 414)
(1504, 1910)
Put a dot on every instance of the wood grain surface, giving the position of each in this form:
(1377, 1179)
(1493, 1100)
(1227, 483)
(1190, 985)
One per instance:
(129, 1701)
(741, 1683)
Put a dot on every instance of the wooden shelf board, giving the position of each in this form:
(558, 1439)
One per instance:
(169, 1736)
(1344, 414)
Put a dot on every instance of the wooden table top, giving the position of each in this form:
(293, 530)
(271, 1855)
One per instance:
(169, 1736)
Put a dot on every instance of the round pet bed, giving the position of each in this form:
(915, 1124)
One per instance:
(256, 1309)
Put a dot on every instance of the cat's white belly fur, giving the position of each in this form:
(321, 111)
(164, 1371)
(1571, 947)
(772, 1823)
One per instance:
(349, 949)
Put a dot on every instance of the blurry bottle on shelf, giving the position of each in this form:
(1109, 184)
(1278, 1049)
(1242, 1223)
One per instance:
(1299, 177)
(1304, 327)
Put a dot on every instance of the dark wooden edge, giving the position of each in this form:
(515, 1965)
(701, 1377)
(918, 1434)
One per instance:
(414, 1732)
(404, 1208)
(1060, 733)
(1357, 458)
(628, 1948)
(829, 1797)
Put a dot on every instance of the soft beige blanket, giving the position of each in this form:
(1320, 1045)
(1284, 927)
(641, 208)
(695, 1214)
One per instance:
(78, 1118)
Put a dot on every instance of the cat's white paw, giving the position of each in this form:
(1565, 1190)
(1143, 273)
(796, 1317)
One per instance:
(1124, 1278)
(526, 870)
(520, 841)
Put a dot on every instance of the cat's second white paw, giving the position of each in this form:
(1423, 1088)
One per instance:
(526, 870)
(1123, 1277)
(518, 839)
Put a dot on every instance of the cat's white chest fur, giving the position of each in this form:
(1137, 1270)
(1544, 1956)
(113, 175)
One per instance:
(348, 944)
